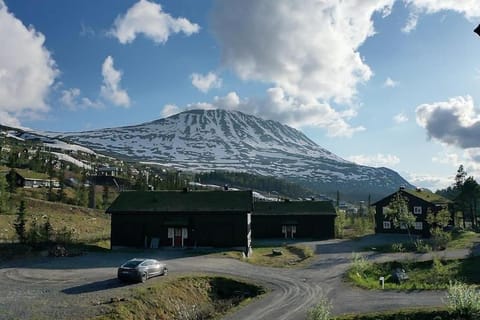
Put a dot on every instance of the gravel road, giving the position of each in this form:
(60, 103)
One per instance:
(81, 287)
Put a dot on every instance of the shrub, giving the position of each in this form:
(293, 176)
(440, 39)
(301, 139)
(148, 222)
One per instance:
(440, 239)
(439, 273)
(321, 311)
(360, 266)
(398, 247)
(463, 300)
(422, 247)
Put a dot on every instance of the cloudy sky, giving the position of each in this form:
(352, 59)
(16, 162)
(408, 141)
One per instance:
(392, 83)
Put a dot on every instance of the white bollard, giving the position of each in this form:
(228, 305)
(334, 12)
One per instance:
(382, 282)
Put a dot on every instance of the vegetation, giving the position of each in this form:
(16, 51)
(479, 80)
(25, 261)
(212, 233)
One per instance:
(284, 256)
(321, 311)
(275, 186)
(463, 301)
(399, 215)
(426, 275)
(191, 297)
(410, 314)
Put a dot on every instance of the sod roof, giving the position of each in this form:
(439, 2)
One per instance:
(294, 208)
(427, 195)
(182, 202)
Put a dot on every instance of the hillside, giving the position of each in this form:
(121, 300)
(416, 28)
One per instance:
(206, 140)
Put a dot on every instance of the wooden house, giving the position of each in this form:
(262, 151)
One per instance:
(293, 220)
(420, 203)
(154, 219)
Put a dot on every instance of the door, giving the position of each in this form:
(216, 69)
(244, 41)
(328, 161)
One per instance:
(178, 237)
(289, 231)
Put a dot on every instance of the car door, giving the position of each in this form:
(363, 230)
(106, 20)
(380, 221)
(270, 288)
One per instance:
(154, 267)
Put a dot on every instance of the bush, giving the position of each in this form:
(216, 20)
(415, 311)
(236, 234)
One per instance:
(398, 247)
(321, 311)
(422, 247)
(440, 239)
(463, 300)
(360, 266)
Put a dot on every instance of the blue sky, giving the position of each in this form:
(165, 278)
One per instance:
(381, 82)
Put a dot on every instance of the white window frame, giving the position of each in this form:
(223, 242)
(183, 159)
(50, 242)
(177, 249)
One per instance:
(387, 225)
(418, 225)
(417, 210)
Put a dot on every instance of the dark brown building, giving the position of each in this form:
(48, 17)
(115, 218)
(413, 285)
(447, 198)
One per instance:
(154, 219)
(420, 203)
(293, 219)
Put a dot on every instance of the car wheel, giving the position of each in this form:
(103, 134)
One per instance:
(165, 271)
(144, 277)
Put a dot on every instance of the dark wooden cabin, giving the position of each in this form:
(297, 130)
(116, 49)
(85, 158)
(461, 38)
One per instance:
(154, 219)
(293, 219)
(420, 203)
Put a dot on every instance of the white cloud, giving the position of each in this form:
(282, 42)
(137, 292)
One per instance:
(7, 119)
(111, 89)
(147, 18)
(205, 82)
(455, 122)
(27, 70)
(308, 48)
(400, 118)
(429, 181)
(288, 110)
(469, 8)
(390, 83)
(72, 99)
(376, 160)
(169, 110)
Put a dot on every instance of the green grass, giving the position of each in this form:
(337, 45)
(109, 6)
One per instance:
(427, 275)
(292, 256)
(186, 297)
(460, 240)
(88, 225)
(408, 314)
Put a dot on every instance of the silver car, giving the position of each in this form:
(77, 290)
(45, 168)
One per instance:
(140, 269)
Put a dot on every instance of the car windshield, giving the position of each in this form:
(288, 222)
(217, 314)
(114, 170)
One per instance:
(132, 263)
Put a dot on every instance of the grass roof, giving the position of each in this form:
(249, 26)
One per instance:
(294, 208)
(427, 195)
(184, 202)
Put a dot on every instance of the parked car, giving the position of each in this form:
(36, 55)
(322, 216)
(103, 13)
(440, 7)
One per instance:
(140, 269)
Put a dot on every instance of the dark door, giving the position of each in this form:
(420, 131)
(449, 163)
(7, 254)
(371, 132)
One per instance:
(177, 237)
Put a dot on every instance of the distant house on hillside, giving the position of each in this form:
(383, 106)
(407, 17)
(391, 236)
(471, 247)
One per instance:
(420, 203)
(30, 179)
(293, 219)
(155, 219)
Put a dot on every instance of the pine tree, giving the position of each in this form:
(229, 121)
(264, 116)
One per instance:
(20, 223)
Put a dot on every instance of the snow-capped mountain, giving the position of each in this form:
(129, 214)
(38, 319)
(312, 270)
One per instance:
(205, 140)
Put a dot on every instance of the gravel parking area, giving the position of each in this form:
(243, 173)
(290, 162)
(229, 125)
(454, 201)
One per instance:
(80, 287)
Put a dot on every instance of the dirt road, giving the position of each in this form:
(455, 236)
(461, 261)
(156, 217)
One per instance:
(80, 287)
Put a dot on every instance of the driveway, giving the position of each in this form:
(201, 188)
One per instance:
(59, 288)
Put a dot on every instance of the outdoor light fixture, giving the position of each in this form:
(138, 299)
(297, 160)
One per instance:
(477, 30)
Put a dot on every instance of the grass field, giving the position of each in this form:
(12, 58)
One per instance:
(186, 297)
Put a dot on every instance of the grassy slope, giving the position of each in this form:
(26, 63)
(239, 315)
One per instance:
(88, 224)
(188, 297)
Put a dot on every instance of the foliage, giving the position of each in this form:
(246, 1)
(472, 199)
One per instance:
(292, 256)
(422, 246)
(413, 314)
(360, 266)
(398, 247)
(256, 182)
(3, 193)
(20, 223)
(463, 300)
(423, 275)
(440, 239)
(321, 311)
(398, 213)
(340, 222)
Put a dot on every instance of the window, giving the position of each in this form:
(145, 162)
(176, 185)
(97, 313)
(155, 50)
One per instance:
(417, 210)
(385, 210)
(386, 225)
(418, 225)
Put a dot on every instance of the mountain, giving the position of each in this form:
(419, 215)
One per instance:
(205, 140)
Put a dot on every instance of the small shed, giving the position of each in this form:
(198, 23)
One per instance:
(154, 219)
(293, 219)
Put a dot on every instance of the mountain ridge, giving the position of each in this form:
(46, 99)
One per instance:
(206, 140)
